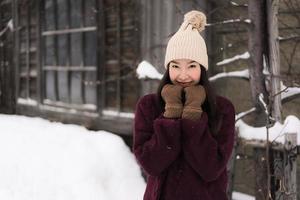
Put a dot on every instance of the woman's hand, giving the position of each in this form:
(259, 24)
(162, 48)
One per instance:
(194, 98)
(171, 94)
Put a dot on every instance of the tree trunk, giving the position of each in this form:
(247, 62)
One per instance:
(257, 48)
(274, 58)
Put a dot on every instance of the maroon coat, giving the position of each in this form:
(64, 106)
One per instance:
(181, 158)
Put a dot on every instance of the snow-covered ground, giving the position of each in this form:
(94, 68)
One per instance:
(42, 160)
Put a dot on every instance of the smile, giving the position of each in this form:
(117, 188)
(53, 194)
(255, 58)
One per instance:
(184, 83)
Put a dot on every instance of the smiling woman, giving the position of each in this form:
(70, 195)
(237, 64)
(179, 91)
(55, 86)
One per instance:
(183, 135)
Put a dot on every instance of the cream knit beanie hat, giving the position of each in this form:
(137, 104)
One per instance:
(187, 43)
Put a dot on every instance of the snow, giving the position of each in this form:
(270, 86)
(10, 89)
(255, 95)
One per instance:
(248, 21)
(9, 26)
(245, 55)
(63, 104)
(147, 70)
(276, 133)
(68, 110)
(42, 160)
(242, 114)
(241, 196)
(235, 4)
(118, 114)
(290, 91)
(262, 101)
(242, 73)
(27, 101)
(32, 102)
(293, 36)
(265, 70)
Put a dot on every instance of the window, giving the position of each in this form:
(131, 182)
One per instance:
(69, 39)
(78, 54)
(121, 53)
(26, 21)
(6, 57)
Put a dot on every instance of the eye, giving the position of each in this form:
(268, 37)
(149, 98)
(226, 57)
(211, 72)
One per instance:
(174, 66)
(193, 66)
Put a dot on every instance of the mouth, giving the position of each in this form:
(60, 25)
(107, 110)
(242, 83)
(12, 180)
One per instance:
(184, 84)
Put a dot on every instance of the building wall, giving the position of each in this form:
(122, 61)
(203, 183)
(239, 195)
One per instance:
(75, 61)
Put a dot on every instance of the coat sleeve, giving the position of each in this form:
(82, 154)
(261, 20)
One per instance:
(156, 142)
(206, 154)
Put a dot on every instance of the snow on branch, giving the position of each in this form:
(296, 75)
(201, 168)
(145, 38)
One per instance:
(146, 70)
(243, 114)
(9, 26)
(245, 55)
(263, 103)
(292, 37)
(230, 21)
(288, 91)
(239, 74)
(3, 31)
(238, 5)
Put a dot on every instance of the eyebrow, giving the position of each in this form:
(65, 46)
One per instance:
(178, 63)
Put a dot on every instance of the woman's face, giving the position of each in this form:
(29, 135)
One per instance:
(184, 72)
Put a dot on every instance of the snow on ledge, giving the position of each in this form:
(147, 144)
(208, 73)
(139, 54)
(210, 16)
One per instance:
(276, 133)
(28, 101)
(146, 70)
(113, 113)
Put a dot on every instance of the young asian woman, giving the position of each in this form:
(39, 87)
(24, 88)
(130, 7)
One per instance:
(184, 134)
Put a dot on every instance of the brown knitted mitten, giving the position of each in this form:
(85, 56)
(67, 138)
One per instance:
(172, 97)
(194, 98)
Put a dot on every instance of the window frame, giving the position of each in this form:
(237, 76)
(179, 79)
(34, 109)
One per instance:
(68, 67)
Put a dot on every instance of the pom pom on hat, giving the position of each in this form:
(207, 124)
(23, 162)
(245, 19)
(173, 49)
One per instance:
(196, 18)
(187, 43)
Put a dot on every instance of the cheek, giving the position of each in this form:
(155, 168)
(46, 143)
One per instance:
(196, 75)
(172, 75)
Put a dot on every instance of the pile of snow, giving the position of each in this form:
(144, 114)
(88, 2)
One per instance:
(276, 133)
(147, 70)
(41, 160)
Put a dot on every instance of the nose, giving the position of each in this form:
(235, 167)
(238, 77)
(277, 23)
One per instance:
(183, 76)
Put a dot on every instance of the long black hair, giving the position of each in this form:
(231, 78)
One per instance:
(209, 106)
